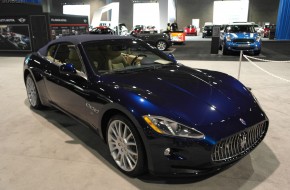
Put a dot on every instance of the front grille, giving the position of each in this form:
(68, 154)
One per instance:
(243, 41)
(239, 144)
(244, 48)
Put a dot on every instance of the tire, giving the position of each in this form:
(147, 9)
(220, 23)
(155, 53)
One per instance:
(161, 45)
(32, 93)
(225, 51)
(128, 153)
(257, 52)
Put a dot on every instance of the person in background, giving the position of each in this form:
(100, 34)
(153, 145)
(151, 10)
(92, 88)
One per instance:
(174, 26)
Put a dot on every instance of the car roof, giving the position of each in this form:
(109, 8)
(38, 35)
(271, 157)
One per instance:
(241, 23)
(78, 39)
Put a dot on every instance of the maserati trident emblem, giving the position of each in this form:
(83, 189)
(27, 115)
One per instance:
(243, 141)
(243, 121)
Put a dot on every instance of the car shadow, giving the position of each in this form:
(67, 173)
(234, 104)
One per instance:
(252, 167)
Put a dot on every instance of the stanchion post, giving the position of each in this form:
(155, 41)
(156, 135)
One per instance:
(240, 64)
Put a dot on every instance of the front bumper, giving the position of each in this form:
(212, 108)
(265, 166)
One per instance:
(195, 157)
(249, 47)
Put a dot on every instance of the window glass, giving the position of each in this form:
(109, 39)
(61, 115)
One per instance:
(51, 52)
(241, 28)
(65, 53)
(123, 55)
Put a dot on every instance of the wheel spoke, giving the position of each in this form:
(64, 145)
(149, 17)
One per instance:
(132, 159)
(129, 136)
(125, 132)
(120, 129)
(114, 132)
(129, 162)
(132, 153)
(131, 144)
(123, 160)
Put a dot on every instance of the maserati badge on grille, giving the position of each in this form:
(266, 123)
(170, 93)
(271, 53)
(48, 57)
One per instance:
(243, 121)
(243, 141)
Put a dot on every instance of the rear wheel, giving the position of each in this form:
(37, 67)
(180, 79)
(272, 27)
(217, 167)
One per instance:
(161, 45)
(125, 146)
(32, 93)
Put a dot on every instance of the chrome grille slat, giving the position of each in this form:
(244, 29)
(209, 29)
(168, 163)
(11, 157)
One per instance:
(239, 144)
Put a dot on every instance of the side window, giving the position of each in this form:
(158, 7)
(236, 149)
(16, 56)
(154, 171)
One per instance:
(67, 53)
(74, 58)
(51, 52)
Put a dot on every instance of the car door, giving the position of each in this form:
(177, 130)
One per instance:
(66, 91)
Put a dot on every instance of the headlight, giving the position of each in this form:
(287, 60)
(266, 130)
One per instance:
(228, 38)
(166, 126)
(258, 38)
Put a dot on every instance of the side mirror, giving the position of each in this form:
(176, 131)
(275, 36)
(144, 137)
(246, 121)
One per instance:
(171, 56)
(67, 68)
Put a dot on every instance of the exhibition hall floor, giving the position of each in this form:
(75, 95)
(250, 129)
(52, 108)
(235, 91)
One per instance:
(48, 150)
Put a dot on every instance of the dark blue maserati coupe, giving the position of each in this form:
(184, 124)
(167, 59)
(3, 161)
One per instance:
(155, 114)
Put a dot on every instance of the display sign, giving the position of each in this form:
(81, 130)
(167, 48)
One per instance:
(68, 25)
(216, 31)
(14, 34)
(177, 36)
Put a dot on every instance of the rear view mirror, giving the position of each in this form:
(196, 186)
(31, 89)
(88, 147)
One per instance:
(67, 68)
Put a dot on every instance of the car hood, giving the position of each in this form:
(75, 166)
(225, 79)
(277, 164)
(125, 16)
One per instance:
(197, 98)
(243, 35)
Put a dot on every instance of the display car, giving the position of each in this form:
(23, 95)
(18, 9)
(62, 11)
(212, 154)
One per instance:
(155, 114)
(190, 30)
(240, 36)
(160, 40)
(207, 31)
(267, 29)
(102, 30)
(259, 29)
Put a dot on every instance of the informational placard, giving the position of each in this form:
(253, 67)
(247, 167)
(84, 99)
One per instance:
(14, 34)
(177, 37)
(67, 25)
(215, 31)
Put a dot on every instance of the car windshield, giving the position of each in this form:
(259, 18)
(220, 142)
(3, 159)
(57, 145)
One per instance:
(208, 27)
(240, 28)
(124, 56)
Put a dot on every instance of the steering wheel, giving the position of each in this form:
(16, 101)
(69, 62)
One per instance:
(133, 62)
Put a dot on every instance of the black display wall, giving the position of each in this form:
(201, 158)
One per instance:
(259, 11)
(187, 10)
(263, 11)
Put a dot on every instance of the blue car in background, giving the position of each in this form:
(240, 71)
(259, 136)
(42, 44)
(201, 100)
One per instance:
(240, 36)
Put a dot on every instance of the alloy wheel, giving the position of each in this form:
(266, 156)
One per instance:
(122, 145)
(161, 45)
(31, 91)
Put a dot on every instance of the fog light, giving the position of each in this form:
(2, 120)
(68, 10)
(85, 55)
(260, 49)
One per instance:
(167, 152)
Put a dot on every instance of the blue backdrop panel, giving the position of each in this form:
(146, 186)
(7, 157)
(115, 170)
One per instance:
(283, 21)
